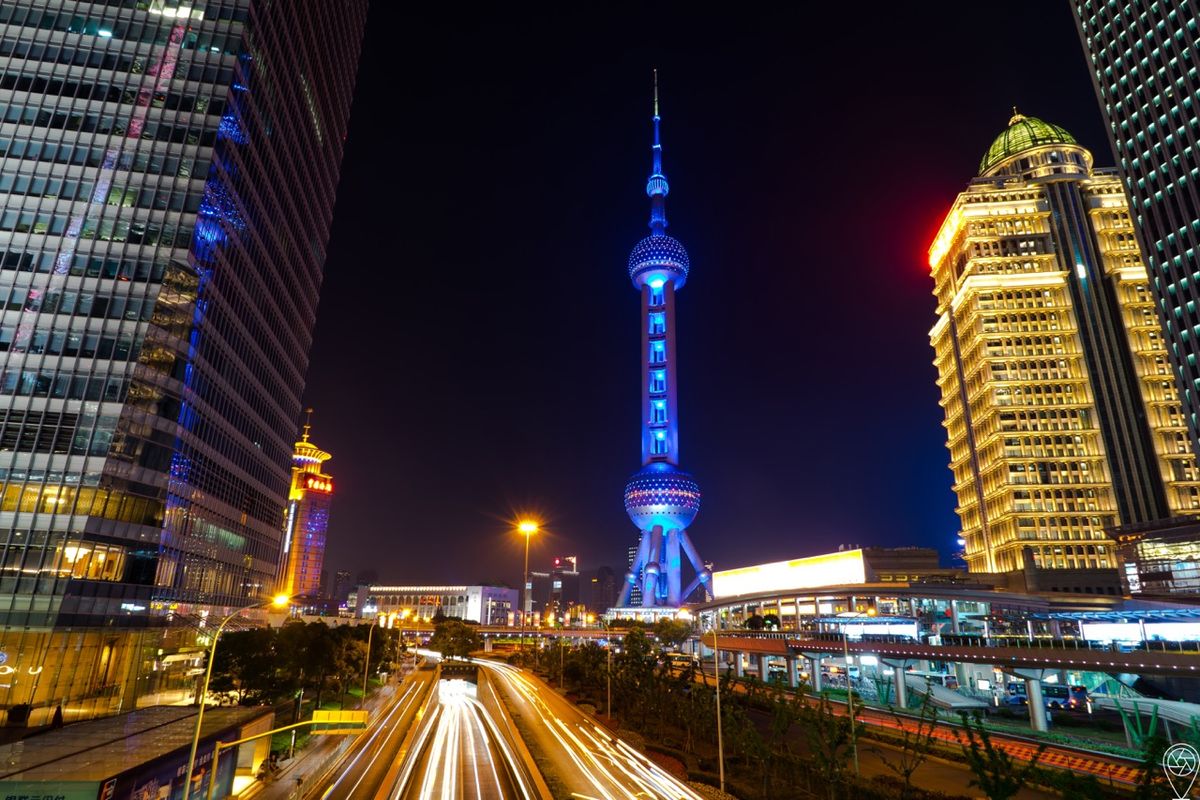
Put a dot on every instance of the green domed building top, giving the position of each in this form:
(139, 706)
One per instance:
(1022, 133)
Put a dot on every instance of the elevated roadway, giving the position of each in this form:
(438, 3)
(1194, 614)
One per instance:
(1004, 653)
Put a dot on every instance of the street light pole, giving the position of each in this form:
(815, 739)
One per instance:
(608, 699)
(717, 681)
(279, 601)
(367, 664)
(527, 528)
(850, 696)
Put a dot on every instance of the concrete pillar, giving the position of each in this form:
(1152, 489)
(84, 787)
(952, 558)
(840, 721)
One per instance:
(487, 645)
(901, 687)
(763, 674)
(814, 674)
(738, 669)
(793, 671)
(1037, 704)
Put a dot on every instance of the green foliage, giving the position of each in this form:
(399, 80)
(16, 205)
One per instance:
(830, 738)
(1153, 783)
(455, 639)
(755, 622)
(672, 632)
(915, 742)
(266, 665)
(996, 773)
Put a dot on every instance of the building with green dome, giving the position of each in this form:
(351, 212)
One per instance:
(1061, 417)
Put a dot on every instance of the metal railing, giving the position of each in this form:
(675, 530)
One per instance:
(970, 640)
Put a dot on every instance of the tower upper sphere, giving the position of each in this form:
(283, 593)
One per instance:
(657, 259)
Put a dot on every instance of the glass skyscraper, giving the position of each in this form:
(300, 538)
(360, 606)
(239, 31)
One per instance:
(1145, 63)
(167, 178)
(1061, 417)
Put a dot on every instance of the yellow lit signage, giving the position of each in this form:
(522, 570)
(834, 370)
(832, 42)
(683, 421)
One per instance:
(831, 569)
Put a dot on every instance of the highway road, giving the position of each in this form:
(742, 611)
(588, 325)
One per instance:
(366, 766)
(586, 758)
(459, 753)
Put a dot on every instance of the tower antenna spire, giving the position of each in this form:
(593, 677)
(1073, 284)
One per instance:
(308, 412)
(656, 185)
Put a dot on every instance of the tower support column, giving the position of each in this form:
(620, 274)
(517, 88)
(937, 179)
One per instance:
(672, 563)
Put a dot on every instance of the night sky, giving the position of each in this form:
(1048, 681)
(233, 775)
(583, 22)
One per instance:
(478, 342)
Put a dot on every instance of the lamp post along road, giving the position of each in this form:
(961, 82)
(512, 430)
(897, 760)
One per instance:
(367, 665)
(526, 528)
(279, 601)
(717, 682)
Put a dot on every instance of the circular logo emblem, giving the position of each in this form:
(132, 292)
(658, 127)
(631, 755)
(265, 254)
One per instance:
(1181, 762)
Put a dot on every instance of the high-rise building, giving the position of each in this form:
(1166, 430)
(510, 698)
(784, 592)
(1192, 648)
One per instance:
(167, 180)
(635, 592)
(1060, 413)
(1145, 64)
(660, 498)
(341, 587)
(603, 594)
(305, 521)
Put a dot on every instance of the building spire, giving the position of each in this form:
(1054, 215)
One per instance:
(656, 185)
(307, 424)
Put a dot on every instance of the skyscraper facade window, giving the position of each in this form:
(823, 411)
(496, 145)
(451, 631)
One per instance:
(306, 521)
(1060, 412)
(167, 178)
(1145, 64)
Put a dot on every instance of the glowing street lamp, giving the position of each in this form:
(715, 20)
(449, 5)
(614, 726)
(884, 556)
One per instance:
(526, 528)
(279, 601)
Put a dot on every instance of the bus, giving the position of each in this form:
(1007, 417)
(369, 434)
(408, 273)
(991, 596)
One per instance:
(1053, 695)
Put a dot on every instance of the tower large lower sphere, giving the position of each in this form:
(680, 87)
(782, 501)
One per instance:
(660, 498)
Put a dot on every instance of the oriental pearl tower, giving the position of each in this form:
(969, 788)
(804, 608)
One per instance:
(660, 498)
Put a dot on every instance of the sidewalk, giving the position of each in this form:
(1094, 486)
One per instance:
(298, 773)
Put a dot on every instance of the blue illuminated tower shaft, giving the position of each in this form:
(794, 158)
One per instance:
(661, 499)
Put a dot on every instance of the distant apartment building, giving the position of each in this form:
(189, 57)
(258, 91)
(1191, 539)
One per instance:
(487, 605)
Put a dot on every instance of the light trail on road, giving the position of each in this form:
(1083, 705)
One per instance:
(355, 772)
(460, 753)
(599, 766)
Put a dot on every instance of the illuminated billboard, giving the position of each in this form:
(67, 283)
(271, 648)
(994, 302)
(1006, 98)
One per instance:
(830, 569)
(318, 483)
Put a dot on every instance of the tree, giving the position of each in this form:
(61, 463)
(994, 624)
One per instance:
(672, 632)
(916, 743)
(996, 772)
(830, 737)
(755, 623)
(771, 621)
(1153, 784)
(455, 639)
(245, 664)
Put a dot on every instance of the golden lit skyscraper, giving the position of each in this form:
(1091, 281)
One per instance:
(306, 520)
(1061, 413)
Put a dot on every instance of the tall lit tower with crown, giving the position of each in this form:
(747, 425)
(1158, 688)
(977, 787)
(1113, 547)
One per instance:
(306, 519)
(660, 498)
